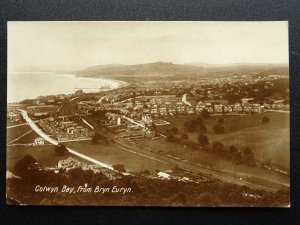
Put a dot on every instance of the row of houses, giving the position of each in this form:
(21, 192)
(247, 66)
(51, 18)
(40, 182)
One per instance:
(64, 130)
(183, 109)
(72, 163)
(179, 108)
(13, 117)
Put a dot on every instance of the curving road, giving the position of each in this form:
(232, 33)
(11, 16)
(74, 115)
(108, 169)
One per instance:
(185, 101)
(55, 142)
(188, 166)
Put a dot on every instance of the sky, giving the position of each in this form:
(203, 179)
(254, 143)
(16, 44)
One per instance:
(48, 46)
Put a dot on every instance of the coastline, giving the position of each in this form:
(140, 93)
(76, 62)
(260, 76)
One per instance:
(21, 83)
(91, 77)
(121, 82)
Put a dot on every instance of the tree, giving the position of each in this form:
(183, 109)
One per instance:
(203, 140)
(95, 139)
(265, 120)
(232, 149)
(170, 137)
(99, 138)
(218, 147)
(103, 139)
(205, 114)
(119, 167)
(218, 128)
(22, 166)
(60, 149)
(199, 120)
(174, 130)
(220, 120)
(184, 136)
(190, 125)
(249, 157)
(153, 127)
(202, 128)
(29, 160)
(248, 151)
(193, 125)
(237, 157)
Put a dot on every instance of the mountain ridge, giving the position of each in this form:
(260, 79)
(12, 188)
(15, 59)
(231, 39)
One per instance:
(170, 69)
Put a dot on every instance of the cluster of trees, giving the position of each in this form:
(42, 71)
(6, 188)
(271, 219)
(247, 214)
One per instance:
(258, 91)
(218, 128)
(145, 191)
(25, 164)
(203, 140)
(184, 136)
(60, 149)
(198, 125)
(195, 125)
(170, 134)
(232, 153)
(119, 167)
(99, 138)
(100, 114)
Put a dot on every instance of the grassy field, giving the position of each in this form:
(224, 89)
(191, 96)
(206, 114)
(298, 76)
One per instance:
(269, 142)
(15, 132)
(112, 155)
(208, 159)
(44, 155)
(106, 153)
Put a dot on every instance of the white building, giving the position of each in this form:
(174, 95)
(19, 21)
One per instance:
(164, 175)
(39, 141)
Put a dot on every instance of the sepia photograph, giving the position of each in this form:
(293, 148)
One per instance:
(148, 113)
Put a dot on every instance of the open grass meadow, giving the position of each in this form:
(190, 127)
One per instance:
(269, 142)
(208, 159)
(15, 132)
(112, 155)
(44, 155)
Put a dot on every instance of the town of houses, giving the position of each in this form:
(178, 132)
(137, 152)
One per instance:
(152, 101)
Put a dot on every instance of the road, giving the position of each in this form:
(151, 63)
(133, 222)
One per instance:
(55, 142)
(280, 111)
(132, 121)
(185, 101)
(188, 166)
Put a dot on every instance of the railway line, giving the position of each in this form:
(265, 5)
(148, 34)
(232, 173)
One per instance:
(191, 167)
(172, 161)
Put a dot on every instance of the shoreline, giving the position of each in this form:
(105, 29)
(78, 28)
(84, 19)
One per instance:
(89, 81)
(121, 82)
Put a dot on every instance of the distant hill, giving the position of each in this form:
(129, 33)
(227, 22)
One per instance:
(159, 69)
(152, 69)
(100, 67)
(244, 68)
(235, 65)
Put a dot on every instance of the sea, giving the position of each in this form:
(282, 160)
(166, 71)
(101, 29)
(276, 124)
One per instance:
(30, 85)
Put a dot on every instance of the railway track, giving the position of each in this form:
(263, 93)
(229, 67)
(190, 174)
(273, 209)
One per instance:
(190, 167)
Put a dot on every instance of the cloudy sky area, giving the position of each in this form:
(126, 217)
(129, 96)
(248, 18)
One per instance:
(47, 46)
